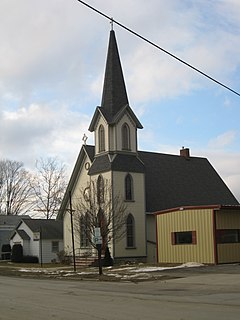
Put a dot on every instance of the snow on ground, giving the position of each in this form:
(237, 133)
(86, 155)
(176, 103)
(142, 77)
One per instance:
(154, 269)
(124, 272)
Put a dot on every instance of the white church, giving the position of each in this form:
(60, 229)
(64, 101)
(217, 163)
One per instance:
(147, 182)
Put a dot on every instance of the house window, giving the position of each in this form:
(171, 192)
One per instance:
(100, 190)
(55, 246)
(84, 231)
(126, 137)
(101, 138)
(130, 231)
(184, 237)
(228, 236)
(128, 187)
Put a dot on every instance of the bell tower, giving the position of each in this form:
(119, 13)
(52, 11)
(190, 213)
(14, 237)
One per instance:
(116, 155)
(114, 123)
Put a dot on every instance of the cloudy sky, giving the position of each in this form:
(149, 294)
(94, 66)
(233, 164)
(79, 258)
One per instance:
(52, 59)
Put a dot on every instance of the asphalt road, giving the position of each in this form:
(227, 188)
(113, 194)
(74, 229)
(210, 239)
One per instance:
(198, 296)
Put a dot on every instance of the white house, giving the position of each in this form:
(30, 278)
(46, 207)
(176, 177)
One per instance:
(42, 238)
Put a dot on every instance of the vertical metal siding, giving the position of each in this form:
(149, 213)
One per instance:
(228, 219)
(199, 220)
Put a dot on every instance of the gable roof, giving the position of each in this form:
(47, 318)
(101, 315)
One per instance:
(170, 180)
(22, 234)
(50, 229)
(173, 181)
(86, 150)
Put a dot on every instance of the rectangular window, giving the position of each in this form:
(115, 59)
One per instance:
(184, 237)
(55, 246)
(228, 236)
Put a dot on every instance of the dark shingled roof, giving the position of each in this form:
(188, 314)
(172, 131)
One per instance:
(51, 229)
(114, 95)
(23, 234)
(173, 181)
(119, 162)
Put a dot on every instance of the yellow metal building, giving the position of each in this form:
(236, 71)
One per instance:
(204, 234)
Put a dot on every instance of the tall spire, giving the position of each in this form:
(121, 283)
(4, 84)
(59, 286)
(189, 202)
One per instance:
(114, 96)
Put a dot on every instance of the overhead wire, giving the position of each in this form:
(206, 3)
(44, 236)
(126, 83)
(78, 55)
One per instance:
(158, 47)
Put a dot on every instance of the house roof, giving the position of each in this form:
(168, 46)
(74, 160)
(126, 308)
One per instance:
(12, 219)
(50, 229)
(22, 234)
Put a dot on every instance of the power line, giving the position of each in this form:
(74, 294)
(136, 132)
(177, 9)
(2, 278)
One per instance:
(159, 48)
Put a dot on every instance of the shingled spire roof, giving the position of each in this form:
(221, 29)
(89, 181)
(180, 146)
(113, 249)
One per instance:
(114, 96)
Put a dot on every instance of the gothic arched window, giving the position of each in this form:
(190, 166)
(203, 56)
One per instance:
(128, 187)
(101, 138)
(126, 137)
(100, 189)
(130, 231)
(84, 231)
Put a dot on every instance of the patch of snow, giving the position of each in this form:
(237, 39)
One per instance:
(155, 269)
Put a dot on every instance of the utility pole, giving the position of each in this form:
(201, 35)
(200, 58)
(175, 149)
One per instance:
(73, 246)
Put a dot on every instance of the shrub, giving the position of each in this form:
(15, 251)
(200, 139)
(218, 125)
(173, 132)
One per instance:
(6, 252)
(30, 259)
(17, 253)
(63, 257)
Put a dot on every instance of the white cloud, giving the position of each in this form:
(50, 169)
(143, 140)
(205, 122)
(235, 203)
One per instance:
(223, 140)
(41, 131)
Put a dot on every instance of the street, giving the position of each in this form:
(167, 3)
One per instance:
(204, 296)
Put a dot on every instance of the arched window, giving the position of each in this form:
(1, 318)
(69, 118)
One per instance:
(126, 137)
(128, 187)
(101, 138)
(84, 231)
(130, 231)
(100, 189)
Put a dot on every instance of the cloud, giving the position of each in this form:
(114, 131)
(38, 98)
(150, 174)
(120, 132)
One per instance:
(223, 140)
(41, 131)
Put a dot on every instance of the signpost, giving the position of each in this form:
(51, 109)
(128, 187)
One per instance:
(98, 243)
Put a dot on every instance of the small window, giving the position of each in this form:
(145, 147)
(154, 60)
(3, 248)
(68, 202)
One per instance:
(228, 236)
(128, 187)
(101, 138)
(130, 231)
(184, 237)
(126, 137)
(55, 246)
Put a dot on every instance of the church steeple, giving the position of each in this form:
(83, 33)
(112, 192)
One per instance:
(114, 96)
(114, 122)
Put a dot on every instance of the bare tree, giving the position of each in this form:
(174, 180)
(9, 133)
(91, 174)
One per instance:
(98, 208)
(16, 193)
(49, 186)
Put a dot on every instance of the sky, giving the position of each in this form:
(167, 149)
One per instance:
(52, 63)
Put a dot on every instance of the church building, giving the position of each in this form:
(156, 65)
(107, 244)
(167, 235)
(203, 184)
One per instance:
(147, 182)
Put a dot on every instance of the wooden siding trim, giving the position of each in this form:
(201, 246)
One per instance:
(214, 237)
(156, 227)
